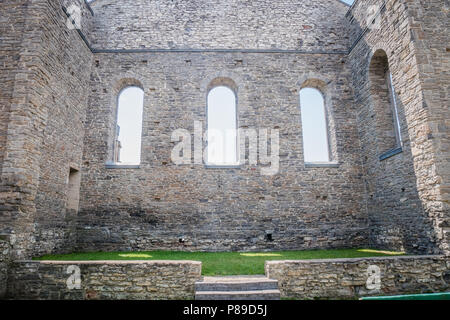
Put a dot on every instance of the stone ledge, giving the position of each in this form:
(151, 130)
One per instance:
(354, 277)
(390, 153)
(104, 280)
(322, 165)
(343, 260)
(122, 166)
(112, 262)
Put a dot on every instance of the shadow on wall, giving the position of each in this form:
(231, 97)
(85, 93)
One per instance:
(397, 217)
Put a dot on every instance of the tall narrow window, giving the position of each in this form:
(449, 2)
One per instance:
(127, 143)
(314, 124)
(385, 105)
(222, 127)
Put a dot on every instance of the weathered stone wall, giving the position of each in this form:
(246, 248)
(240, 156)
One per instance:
(270, 49)
(348, 278)
(430, 22)
(105, 280)
(86, 21)
(398, 188)
(67, 60)
(214, 24)
(45, 130)
(15, 78)
(11, 31)
(5, 254)
(220, 209)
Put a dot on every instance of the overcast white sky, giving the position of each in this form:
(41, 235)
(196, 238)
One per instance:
(129, 118)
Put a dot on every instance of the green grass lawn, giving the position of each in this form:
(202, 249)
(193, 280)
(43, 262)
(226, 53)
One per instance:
(224, 263)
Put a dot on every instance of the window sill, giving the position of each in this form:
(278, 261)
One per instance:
(212, 166)
(391, 153)
(322, 165)
(122, 166)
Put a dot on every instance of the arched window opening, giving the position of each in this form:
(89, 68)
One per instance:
(127, 142)
(222, 127)
(314, 126)
(385, 104)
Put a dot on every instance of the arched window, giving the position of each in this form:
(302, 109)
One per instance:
(385, 104)
(127, 142)
(222, 127)
(314, 126)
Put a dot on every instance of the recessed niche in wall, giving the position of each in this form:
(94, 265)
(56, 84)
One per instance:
(73, 192)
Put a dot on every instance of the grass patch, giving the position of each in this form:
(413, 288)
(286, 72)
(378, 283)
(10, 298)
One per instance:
(224, 263)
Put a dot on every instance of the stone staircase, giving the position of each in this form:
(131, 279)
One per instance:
(237, 288)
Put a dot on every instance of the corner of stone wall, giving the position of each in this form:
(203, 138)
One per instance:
(5, 253)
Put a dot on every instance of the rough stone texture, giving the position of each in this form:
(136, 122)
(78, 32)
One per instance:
(11, 30)
(68, 62)
(347, 278)
(53, 66)
(406, 202)
(5, 252)
(105, 280)
(58, 106)
(219, 209)
(430, 22)
(237, 288)
(216, 24)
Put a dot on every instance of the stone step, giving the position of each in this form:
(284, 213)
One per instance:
(237, 288)
(238, 295)
(236, 284)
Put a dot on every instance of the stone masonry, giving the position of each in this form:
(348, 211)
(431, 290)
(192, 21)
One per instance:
(354, 278)
(58, 105)
(104, 280)
(4, 264)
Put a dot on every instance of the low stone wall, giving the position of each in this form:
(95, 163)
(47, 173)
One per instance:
(4, 262)
(137, 280)
(353, 278)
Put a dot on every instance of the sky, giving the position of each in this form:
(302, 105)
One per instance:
(129, 119)
(315, 137)
(222, 146)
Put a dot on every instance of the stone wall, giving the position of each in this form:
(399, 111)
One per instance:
(105, 280)
(11, 31)
(214, 24)
(67, 60)
(17, 184)
(54, 89)
(86, 21)
(349, 278)
(5, 252)
(46, 102)
(400, 202)
(155, 205)
(430, 22)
